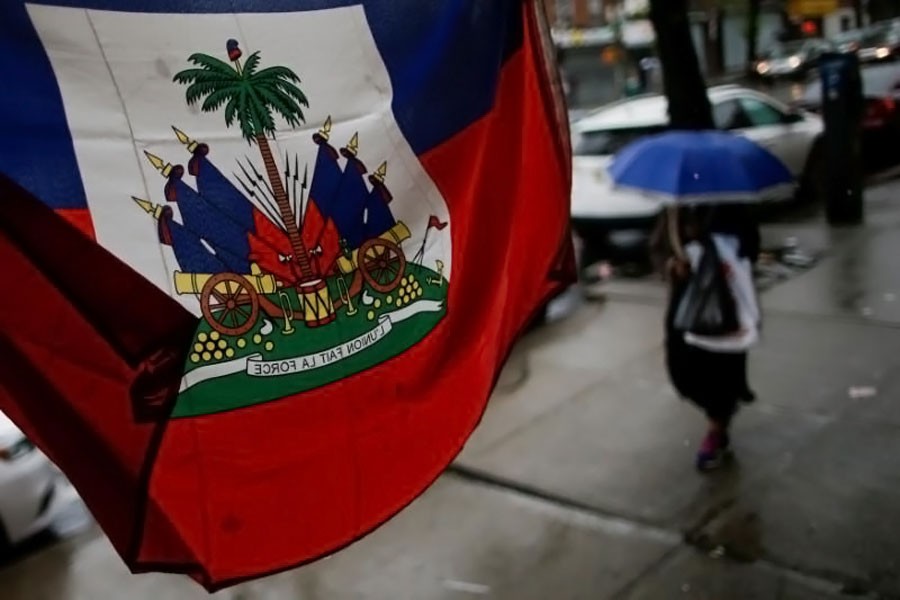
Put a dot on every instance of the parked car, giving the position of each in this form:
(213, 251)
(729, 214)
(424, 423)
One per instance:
(848, 42)
(612, 222)
(880, 42)
(881, 119)
(791, 59)
(32, 489)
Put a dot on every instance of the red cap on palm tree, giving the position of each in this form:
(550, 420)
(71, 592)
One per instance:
(234, 51)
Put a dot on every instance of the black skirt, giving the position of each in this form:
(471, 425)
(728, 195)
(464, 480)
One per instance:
(714, 381)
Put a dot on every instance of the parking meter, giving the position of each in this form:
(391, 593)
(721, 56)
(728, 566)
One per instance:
(842, 112)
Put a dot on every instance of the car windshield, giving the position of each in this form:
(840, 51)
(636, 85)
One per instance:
(848, 36)
(610, 141)
(785, 50)
(877, 36)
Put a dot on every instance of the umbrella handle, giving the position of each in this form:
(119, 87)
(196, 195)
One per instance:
(674, 237)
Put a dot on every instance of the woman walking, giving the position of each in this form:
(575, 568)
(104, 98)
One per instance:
(710, 370)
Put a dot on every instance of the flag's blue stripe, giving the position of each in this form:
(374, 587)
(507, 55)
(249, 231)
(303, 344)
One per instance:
(443, 57)
(35, 146)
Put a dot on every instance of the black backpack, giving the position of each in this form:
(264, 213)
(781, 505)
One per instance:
(707, 306)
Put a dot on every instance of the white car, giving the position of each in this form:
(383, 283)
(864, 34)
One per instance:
(32, 489)
(610, 220)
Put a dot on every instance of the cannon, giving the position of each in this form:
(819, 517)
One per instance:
(193, 283)
(379, 260)
(231, 302)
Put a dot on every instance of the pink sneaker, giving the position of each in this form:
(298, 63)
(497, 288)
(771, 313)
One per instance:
(713, 450)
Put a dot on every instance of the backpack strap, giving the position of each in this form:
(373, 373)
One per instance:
(673, 232)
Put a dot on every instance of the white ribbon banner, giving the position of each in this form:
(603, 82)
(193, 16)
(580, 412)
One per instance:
(254, 365)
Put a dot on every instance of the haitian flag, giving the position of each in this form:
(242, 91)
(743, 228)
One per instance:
(228, 405)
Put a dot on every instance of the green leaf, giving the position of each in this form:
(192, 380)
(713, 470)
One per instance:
(251, 65)
(199, 75)
(245, 116)
(217, 98)
(287, 109)
(198, 90)
(261, 112)
(293, 91)
(231, 110)
(211, 63)
(277, 72)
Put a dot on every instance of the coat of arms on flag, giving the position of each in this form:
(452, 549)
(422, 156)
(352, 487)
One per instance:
(265, 260)
(308, 249)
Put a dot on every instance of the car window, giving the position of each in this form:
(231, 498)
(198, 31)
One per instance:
(761, 114)
(784, 50)
(729, 115)
(815, 47)
(610, 141)
(875, 36)
(848, 36)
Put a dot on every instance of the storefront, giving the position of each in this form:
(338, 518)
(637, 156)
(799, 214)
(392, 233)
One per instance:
(596, 63)
(821, 18)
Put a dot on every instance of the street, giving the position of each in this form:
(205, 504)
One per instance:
(579, 482)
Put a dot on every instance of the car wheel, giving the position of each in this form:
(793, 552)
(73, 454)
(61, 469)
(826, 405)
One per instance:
(812, 183)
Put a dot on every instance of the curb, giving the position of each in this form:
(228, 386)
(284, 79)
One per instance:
(883, 176)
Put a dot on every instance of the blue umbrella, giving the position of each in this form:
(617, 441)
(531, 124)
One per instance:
(701, 167)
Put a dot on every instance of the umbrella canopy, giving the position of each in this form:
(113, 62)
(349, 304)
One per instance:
(701, 167)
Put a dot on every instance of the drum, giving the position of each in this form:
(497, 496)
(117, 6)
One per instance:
(318, 309)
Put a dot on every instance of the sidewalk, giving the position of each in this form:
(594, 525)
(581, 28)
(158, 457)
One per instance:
(813, 504)
(579, 482)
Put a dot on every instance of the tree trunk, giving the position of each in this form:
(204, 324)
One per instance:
(858, 12)
(753, 10)
(683, 82)
(301, 256)
(787, 26)
(715, 50)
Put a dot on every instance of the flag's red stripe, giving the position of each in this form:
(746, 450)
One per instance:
(69, 391)
(80, 218)
(129, 312)
(86, 341)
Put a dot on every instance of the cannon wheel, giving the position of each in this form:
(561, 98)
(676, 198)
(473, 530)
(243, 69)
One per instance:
(229, 304)
(382, 264)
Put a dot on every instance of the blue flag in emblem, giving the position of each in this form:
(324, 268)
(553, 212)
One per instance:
(379, 218)
(218, 191)
(326, 174)
(191, 254)
(348, 210)
(225, 236)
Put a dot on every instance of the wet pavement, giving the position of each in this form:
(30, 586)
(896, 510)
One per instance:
(579, 481)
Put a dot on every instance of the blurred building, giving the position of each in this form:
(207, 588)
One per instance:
(600, 46)
(591, 13)
(603, 42)
(574, 13)
(720, 27)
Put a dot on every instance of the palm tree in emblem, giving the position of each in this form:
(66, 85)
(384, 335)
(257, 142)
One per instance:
(250, 97)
